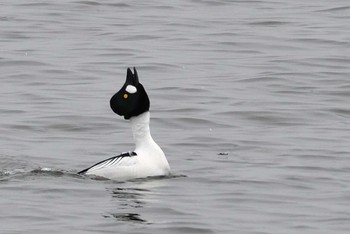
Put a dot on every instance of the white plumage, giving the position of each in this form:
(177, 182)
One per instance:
(148, 161)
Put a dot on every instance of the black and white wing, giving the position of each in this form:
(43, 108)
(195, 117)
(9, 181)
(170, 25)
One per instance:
(109, 162)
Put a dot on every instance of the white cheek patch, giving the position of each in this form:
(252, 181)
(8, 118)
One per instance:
(131, 89)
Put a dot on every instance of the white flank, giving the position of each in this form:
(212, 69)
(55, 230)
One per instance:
(149, 161)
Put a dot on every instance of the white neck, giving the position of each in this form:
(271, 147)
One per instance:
(150, 154)
(141, 131)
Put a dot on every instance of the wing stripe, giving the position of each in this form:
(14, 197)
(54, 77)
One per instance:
(108, 162)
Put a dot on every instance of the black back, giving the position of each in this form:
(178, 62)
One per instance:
(129, 104)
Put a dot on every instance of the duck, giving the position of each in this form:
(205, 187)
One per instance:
(147, 159)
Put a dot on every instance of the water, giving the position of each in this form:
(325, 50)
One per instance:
(249, 100)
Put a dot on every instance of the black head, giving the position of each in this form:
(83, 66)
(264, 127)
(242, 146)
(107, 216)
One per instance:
(132, 99)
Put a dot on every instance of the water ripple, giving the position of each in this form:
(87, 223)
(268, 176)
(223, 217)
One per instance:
(249, 100)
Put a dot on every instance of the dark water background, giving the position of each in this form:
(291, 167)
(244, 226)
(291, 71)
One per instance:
(249, 101)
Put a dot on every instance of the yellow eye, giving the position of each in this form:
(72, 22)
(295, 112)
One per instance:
(125, 96)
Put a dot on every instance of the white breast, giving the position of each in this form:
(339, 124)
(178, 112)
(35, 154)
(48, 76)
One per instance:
(149, 161)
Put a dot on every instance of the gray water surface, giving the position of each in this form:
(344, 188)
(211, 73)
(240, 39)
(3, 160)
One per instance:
(249, 101)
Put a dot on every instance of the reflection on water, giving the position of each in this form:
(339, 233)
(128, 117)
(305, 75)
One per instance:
(127, 202)
(129, 197)
(127, 217)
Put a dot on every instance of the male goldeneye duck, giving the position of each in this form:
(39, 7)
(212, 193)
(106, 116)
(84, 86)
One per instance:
(148, 159)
